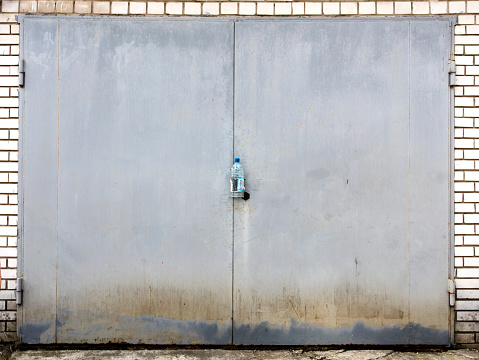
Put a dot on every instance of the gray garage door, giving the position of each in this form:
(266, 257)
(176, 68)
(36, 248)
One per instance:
(129, 127)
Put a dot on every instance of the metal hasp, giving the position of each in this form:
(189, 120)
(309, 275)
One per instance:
(19, 291)
(343, 126)
(21, 73)
(452, 73)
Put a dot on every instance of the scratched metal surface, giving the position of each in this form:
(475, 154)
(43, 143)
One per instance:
(144, 218)
(343, 131)
(342, 127)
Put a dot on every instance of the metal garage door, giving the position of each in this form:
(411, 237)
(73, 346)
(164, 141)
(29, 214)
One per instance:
(129, 127)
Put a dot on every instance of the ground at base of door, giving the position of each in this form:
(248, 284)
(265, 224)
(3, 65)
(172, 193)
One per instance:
(216, 354)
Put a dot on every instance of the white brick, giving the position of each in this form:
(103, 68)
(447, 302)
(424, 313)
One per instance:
(367, 8)
(8, 209)
(464, 101)
(464, 229)
(174, 8)
(458, 49)
(471, 175)
(471, 219)
(472, 29)
(228, 8)
(282, 9)
(331, 8)
(458, 219)
(471, 240)
(458, 91)
(472, 70)
(8, 189)
(467, 304)
(7, 295)
(402, 7)
(298, 8)
(471, 50)
(468, 154)
(349, 8)
(458, 197)
(119, 7)
(192, 8)
(28, 7)
(471, 197)
(155, 8)
(14, 134)
(460, 29)
(464, 165)
(82, 7)
(46, 7)
(458, 133)
(13, 220)
(12, 263)
(471, 133)
(13, 199)
(467, 315)
(458, 175)
(420, 7)
(15, 29)
(13, 177)
(463, 186)
(471, 91)
(211, 8)
(12, 241)
(247, 8)
(8, 231)
(457, 7)
(438, 7)
(464, 143)
(14, 112)
(464, 251)
(265, 9)
(9, 6)
(384, 8)
(9, 39)
(458, 262)
(312, 8)
(471, 261)
(467, 294)
(472, 7)
(464, 39)
(468, 273)
(464, 60)
(458, 154)
(137, 8)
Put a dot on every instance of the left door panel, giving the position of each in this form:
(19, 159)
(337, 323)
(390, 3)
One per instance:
(131, 149)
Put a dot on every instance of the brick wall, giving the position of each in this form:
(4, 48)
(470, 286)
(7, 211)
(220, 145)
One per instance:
(466, 119)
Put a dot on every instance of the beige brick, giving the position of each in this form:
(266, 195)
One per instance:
(228, 8)
(65, 7)
(119, 7)
(4, 29)
(156, 8)
(248, 8)
(467, 40)
(10, 6)
(311, 8)
(349, 8)
(174, 8)
(28, 7)
(82, 7)
(460, 29)
(282, 9)
(137, 8)
(384, 8)
(464, 338)
(438, 7)
(298, 8)
(101, 7)
(402, 7)
(211, 9)
(457, 7)
(367, 8)
(265, 9)
(46, 7)
(191, 8)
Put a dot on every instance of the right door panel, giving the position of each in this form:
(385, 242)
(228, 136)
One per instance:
(343, 130)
